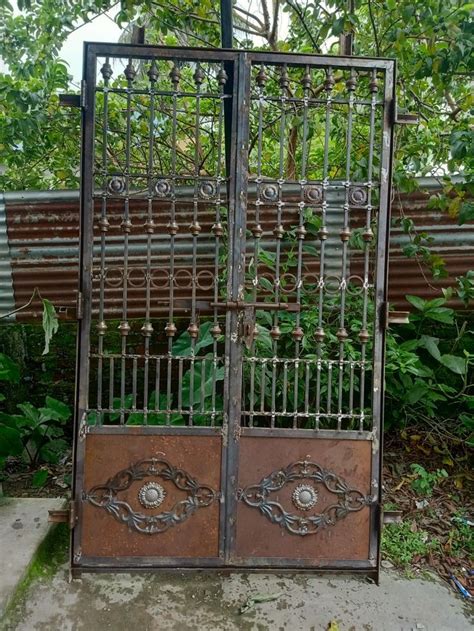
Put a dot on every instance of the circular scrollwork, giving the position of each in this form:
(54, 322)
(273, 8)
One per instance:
(163, 188)
(151, 495)
(304, 496)
(116, 185)
(313, 194)
(207, 190)
(270, 192)
(357, 195)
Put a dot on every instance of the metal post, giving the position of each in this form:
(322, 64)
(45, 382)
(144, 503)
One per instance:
(227, 42)
(226, 24)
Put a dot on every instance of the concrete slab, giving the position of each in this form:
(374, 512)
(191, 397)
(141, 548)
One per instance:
(23, 525)
(205, 601)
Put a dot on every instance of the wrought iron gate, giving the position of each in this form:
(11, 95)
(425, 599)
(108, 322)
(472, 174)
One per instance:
(233, 270)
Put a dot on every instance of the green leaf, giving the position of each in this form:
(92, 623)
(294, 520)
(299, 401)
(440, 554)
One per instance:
(416, 393)
(441, 314)
(10, 441)
(30, 412)
(454, 363)
(466, 212)
(431, 345)
(417, 302)
(52, 451)
(9, 371)
(58, 410)
(50, 323)
(39, 478)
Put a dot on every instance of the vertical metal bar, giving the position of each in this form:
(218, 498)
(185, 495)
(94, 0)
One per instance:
(106, 72)
(342, 334)
(226, 24)
(85, 286)
(323, 235)
(124, 327)
(147, 328)
(383, 234)
(237, 214)
(367, 236)
(170, 329)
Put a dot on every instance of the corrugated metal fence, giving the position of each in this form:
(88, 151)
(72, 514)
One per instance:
(39, 234)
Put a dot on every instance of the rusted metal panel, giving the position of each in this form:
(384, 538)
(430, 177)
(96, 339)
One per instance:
(101, 534)
(345, 540)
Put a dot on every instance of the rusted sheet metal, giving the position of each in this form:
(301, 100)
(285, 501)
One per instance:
(7, 300)
(40, 249)
(107, 539)
(454, 243)
(345, 540)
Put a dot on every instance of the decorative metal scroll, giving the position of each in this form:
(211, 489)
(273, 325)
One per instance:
(105, 496)
(349, 500)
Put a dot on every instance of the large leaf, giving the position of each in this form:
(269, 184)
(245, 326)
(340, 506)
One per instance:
(10, 441)
(50, 323)
(440, 314)
(183, 345)
(454, 363)
(416, 301)
(431, 345)
(202, 383)
(52, 451)
(39, 478)
(56, 410)
(9, 371)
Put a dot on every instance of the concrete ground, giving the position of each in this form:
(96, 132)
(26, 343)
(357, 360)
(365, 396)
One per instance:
(23, 526)
(206, 601)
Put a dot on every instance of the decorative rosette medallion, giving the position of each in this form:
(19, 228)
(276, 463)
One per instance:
(151, 495)
(305, 497)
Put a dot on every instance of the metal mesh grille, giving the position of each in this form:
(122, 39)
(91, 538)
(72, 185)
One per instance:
(160, 223)
(164, 225)
(314, 158)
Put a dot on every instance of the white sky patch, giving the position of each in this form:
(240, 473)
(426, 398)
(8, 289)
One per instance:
(100, 29)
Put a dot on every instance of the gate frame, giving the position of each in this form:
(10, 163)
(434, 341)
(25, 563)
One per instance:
(238, 152)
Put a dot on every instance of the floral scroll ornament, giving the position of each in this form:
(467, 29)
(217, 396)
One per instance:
(151, 495)
(305, 497)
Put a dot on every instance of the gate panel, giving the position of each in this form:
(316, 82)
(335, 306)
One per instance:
(307, 439)
(189, 485)
(153, 385)
(280, 530)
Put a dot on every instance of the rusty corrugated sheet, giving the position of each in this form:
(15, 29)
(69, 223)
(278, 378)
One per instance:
(41, 249)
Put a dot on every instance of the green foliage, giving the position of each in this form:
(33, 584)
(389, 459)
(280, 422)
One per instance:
(432, 42)
(461, 536)
(430, 370)
(401, 543)
(426, 481)
(36, 434)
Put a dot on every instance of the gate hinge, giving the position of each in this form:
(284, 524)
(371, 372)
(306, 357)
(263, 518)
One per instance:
(79, 306)
(406, 118)
(75, 100)
(388, 317)
(65, 515)
(391, 517)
